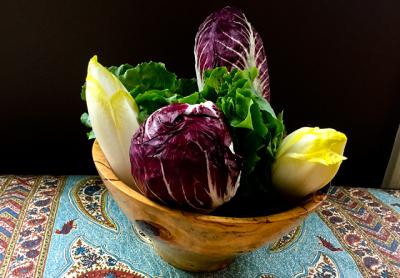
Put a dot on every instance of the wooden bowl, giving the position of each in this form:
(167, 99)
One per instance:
(198, 242)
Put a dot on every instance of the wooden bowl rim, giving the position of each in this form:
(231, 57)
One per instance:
(103, 167)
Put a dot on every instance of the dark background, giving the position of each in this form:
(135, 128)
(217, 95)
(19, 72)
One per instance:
(332, 64)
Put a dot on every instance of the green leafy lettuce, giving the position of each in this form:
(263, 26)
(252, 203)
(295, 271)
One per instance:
(255, 128)
(152, 86)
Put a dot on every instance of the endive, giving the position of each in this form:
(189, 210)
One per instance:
(307, 160)
(113, 115)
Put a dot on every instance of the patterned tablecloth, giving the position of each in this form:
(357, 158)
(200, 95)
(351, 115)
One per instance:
(70, 227)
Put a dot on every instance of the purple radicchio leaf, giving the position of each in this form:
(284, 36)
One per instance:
(182, 156)
(226, 38)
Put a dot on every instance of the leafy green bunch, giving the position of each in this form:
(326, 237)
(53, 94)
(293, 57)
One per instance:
(255, 128)
(151, 85)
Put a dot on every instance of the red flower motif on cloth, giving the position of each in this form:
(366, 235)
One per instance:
(67, 227)
(328, 245)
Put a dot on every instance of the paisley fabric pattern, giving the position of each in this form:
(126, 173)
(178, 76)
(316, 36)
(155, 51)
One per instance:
(70, 227)
(90, 197)
(323, 266)
(367, 228)
(89, 261)
(27, 212)
(286, 240)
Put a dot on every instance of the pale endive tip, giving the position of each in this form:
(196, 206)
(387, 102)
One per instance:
(307, 160)
(314, 144)
(113, 115)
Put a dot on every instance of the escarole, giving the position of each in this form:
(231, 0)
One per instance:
(113, 117)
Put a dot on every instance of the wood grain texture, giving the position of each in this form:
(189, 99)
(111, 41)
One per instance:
(193, 241)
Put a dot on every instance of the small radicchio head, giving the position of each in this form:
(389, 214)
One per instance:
(226, 38)
(182, 156)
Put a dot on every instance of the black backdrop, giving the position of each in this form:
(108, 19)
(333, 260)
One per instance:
(332, 64)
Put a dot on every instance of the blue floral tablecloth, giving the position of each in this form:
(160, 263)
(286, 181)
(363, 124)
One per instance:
(68, 226)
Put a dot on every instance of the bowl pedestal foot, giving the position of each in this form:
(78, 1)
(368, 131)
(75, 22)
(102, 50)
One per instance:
(190, 261)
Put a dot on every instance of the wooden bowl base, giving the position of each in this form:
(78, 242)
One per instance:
(193, 262)
(198, 242)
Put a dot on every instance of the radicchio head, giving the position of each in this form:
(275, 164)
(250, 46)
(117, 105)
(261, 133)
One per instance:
(182, 156)
(226, 38)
